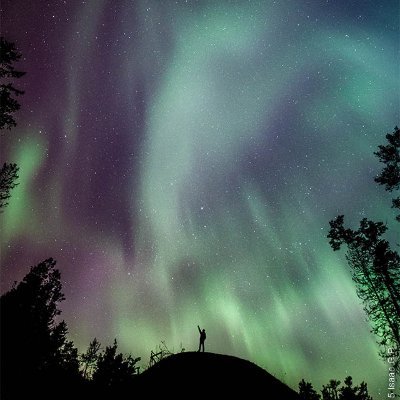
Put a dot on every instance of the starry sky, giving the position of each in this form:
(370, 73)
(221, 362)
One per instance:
(181, 162)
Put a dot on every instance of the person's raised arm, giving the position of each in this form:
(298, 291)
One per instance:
(199, 329)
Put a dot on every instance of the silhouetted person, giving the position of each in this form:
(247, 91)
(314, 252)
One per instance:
(202, 338)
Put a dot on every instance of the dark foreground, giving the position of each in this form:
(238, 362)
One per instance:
(179, 376)
(208, 375)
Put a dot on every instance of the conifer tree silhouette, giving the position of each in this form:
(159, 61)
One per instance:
(375, 266)
(90, 358)
(34, 347)
(307, 392)
(8, 105)
(333, 391)
(390, 156)
(113, 370)
(8, 56)
(8, 177)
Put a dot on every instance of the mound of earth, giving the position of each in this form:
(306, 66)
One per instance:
(189, 374)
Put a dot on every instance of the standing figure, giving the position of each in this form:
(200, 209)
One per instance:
(202, 338)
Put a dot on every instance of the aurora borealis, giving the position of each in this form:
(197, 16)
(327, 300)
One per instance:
(181, 161)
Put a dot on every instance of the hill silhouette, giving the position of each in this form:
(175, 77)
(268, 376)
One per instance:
(208, 374)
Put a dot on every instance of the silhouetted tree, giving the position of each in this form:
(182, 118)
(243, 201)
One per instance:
(307, 392)
(375, 267)
(114, 370)
(333, 391)
(8, 176)
(90, 358)
(376, 273)
(347, 392)
(69, 360)
(8, 105)
(8, 55)
(64, 355)
(390, 156)
(33, 344)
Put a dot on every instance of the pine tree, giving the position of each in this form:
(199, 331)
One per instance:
(114, 370)
(90, 358)
(333, 391)
(374, 265)
(348, 392)
(307, 392)
(8, 105)
(8, 177)
(390, 156)
(34, 345)
(376, 272)
(8, 55)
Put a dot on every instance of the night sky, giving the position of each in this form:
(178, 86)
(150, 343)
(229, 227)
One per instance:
(181, 162)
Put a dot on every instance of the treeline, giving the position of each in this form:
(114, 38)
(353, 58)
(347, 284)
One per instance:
(37, 359)
(333, 391)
